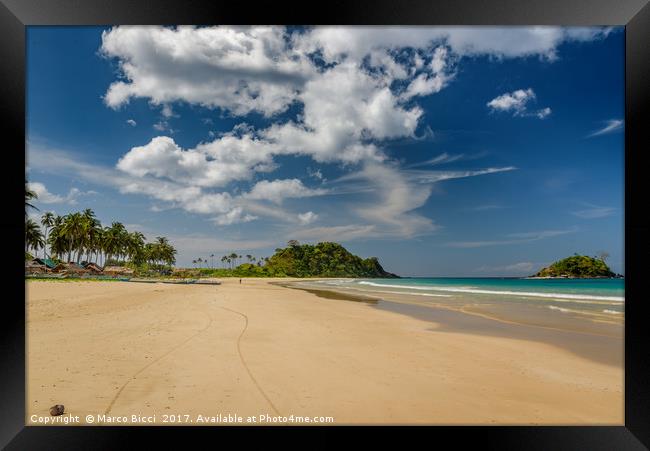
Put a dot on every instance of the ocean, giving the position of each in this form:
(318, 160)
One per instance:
(547, 302)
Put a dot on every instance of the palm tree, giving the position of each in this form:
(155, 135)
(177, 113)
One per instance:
(72, 229)
(29, 195)
(47, 220)
(88, 229)
(212, 261)
(135, 247)
(249, 257)
(57, 241)
(114, 240)
(33, 236)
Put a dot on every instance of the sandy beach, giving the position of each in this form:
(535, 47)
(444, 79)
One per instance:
(162, 351)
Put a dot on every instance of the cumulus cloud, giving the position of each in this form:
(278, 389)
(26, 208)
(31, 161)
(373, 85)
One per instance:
(499, 42)
(46, 197)
(212, 164)
(278, 190)
(354, 90)
(517, 102)
(307, 217)
(131, 122)
(236, 215)
(240, 69)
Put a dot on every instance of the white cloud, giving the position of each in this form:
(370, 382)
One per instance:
(438, 176)
(343, 108)
(594, 212)
(611, 126)
(336, 233)
(236, 215)
(241, 69)
(131, 122)
(349, 108)
(443, 158)
(500, 42)
(317, 174)
(514, 238)
(427, 83)
(213, 164)
(517, 102)
(486, 207)
(393, 198)
(43, 195)
(307, 217)
(278, 190)
(46, 197)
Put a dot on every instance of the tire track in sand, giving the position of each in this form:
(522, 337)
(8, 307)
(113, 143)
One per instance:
(154, 361)
(243, 361)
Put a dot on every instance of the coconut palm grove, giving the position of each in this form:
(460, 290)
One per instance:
(79, 239)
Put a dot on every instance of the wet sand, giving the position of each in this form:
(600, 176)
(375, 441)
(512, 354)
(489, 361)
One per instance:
(123, 349)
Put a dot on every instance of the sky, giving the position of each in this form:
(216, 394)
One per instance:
(443, 151)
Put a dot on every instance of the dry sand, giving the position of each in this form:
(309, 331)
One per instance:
(119, 349)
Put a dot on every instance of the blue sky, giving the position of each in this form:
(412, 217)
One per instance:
(442, 151)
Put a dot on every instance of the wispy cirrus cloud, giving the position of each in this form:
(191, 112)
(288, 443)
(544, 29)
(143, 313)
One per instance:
(594, 211)
(611, 126)
(513, 238)
(486, 207)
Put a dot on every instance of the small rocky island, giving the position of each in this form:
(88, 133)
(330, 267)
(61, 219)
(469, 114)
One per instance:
(578, 267)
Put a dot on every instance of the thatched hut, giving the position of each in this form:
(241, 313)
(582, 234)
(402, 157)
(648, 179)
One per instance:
(47, 262)
(93, 268)
(34, 267)
(118, 271)
(59, 268)
(75, 268)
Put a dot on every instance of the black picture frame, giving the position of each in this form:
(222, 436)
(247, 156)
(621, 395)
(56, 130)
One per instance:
(15, 15)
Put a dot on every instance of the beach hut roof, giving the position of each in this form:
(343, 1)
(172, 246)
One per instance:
(49, 263)
(93, 267)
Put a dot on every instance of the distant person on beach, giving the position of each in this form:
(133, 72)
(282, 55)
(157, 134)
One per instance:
(239, 281)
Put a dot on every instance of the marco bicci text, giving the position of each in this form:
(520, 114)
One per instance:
(174, 418)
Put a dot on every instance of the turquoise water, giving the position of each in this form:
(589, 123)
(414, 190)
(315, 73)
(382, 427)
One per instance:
(594, 299)
(603, 289)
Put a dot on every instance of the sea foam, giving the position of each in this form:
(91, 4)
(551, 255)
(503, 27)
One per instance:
(505, 293)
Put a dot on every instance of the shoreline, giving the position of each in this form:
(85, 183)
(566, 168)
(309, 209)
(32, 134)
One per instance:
(262, 348)
(603, 348)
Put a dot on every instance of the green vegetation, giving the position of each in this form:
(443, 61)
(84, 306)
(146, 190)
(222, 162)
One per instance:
(578, 266)
(80, 236)
(321, 260)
